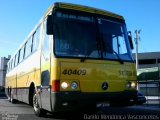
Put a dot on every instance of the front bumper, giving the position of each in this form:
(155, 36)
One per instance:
(63, 101)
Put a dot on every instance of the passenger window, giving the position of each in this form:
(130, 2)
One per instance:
(8, 68)
(36, 38)
(12, 63)
(28, 47)
(16, 60)
(46, 45)
(21, 54)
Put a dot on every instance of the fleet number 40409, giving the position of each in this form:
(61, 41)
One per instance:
(74, 72)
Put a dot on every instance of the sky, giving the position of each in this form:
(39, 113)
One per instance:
(18, 18)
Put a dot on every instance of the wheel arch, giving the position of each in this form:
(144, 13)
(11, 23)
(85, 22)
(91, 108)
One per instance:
(31, 93)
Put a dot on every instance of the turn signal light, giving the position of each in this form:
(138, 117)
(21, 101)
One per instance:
(55, 85)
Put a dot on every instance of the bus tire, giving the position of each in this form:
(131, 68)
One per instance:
(12, 100)
(31, 93)
(36, 106)
(9, 94)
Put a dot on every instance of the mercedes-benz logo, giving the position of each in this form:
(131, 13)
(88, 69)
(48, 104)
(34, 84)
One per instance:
(104, 86)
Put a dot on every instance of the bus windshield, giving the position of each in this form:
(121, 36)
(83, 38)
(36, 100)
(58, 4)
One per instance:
(78, 36)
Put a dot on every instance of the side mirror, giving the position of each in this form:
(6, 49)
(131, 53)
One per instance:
(130, 40)
(49, 25)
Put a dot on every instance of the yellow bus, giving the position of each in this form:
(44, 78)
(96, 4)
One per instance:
(76, 57)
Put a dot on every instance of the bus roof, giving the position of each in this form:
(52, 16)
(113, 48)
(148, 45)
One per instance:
(85, 9)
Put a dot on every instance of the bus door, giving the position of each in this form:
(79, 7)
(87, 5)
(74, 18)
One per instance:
(45, 72)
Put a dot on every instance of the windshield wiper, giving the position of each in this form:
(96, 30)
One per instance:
(84, 58)
(104, 47)
(120, 60)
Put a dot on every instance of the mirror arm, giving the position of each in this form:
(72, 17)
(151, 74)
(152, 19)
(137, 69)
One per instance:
(130, 40)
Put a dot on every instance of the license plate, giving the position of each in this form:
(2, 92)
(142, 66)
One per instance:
(103, 104)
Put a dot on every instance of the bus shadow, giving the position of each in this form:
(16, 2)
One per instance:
(67, 115)
(70, 115)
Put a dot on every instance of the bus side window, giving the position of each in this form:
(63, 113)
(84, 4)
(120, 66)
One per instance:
(46, 47)
(28, 47)
(35, 39)
(8, 67)
(12, 63)
(21, 54)
(16, 59)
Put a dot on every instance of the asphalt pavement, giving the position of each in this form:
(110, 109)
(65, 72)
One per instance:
(22, 111)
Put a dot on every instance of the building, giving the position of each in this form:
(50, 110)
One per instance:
(148, 60)
(3, 70)
(148, 74)
(148, 66)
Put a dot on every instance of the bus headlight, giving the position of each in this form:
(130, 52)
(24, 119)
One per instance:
(74, 85)
(64, 85)
(133, 84)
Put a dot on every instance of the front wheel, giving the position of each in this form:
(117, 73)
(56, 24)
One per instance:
(37, 109)
(11, 99)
